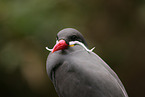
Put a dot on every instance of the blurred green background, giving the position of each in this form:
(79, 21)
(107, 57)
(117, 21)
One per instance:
(115, 27)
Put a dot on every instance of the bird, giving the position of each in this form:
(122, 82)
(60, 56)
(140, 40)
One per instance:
(76, 71)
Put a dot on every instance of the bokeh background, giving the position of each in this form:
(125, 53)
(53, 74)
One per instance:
(115, 27)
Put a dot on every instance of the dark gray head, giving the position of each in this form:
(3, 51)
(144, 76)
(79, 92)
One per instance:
(70, 34)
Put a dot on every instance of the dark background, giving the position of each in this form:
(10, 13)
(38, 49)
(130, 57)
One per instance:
(115, 27)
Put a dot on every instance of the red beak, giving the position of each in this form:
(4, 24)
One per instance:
(60, 46)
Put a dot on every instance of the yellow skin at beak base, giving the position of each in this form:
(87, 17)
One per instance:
(71, 45)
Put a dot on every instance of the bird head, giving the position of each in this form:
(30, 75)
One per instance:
(68, 37)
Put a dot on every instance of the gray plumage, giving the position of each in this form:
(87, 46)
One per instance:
(78, 73)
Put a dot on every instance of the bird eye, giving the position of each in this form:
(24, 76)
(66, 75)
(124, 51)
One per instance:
(57, 37)
(74, 37)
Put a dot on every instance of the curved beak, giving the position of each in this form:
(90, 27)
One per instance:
(60, 45)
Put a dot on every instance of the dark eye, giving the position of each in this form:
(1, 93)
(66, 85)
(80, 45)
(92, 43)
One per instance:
(74, 37)
(57, 37)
